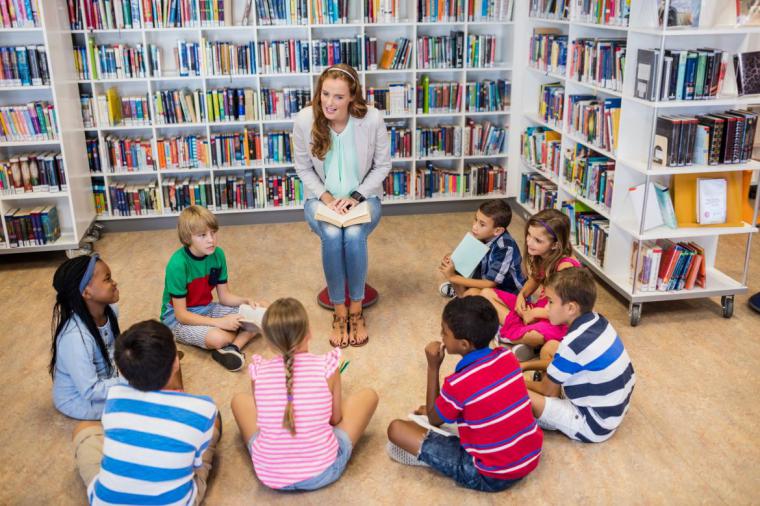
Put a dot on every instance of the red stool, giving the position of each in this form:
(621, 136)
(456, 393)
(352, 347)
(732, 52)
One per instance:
(370, 297)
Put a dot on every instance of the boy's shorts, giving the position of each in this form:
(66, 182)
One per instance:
(564, 416)
(446, 455)
(88, 452)
(195, 335)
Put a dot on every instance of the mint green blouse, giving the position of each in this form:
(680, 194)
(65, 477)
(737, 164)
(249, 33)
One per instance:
(341, 165)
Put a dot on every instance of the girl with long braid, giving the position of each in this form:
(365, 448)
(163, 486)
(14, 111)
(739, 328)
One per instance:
(299, 432)
(84, 328)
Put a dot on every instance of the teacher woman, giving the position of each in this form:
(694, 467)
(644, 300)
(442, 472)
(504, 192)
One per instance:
(342, 155)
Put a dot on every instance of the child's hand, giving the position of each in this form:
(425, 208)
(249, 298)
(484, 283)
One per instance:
(447, 268)
(434, 353)
(520, 305)
(230, 322)
(260, 303)
(528, 316)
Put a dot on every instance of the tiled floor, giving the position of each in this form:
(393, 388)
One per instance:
(692, 434)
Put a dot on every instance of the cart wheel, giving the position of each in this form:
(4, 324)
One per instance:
(635, 313)
(727, 301)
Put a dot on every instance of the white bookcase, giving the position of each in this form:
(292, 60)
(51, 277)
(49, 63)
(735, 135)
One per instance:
(167, 38)
(634, 164)
(75, 208)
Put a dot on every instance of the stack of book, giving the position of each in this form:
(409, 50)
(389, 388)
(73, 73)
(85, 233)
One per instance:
(34, 121)
(484, 139)
(396, 54)
(238, 149)
(590, 175)
(485, 178)
(537, 192)
(328, 12)
(551, 101)
(282, 56)
(541, 147)
(395, 99)
(181, 193)
(134, 199)
(34, 226)
(245, 191)
(551, 9)
(708, 139)
(232, 104)
(668, 266)
(381, 11)
(438, 97)
(19, 14)
(686, 74)
(432, 11)
(488, 96)
(229, 58)
(595, 120)
(284, 103)
(183, 152)
(443, 140)
(481, 51)
(277, 146)
(603, 12)
(328, 52)
(484, 10)
(127, 154)
(432, 182)
(175, 107)
(600, 62)
(589, 231)
(548, 50)
(282, 12)
(31, 173)
(93, 155)
(24, 66)
(397, 184)
(440, 52)
(284, 190)
(401, 140)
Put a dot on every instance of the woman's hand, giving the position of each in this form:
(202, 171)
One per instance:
(342, 206)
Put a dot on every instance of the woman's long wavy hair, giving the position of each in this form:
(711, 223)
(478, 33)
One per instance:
(320, 130)
(69, 303)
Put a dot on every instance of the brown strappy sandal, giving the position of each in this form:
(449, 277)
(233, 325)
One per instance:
(340, 323)
(353, 319)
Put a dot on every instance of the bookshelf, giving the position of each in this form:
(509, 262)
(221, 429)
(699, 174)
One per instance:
(633, 164)
(308, 30)
(73, 201)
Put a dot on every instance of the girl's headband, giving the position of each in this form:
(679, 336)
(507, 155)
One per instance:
(89, 272)
(548, 228)
(344, 71)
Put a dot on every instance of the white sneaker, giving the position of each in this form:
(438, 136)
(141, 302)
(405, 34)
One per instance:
(523, 352)
(402, 456)
(447, 290)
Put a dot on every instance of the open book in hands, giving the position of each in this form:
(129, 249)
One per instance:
(355, 216)
(251, 316)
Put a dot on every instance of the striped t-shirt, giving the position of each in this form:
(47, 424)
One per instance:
(279, 458)
(153, 443)
(596, 374)
(488, 399)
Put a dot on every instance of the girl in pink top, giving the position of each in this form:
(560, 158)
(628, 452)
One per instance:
(547, 250)
(299, 433)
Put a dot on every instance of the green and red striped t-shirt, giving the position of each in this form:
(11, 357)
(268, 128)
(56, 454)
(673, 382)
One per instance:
(193, 278)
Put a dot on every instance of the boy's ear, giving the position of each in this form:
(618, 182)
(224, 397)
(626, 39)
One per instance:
(574, 307)
(466, 345)
(497, 231)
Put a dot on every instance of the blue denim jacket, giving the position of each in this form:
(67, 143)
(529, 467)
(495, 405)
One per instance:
(81, 380)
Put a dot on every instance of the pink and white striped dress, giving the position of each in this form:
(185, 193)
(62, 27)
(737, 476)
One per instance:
(279, 458)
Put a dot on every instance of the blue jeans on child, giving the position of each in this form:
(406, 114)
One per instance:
(329, 475)
(344, 251)
(446, 455)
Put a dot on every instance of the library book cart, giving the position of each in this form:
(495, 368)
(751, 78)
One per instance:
(42, 28)
(620, 254)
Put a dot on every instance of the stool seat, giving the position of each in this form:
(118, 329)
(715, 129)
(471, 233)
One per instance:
(370, 297)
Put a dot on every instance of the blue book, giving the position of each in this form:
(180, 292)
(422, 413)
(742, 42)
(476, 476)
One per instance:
(22, 65)
(468, 254)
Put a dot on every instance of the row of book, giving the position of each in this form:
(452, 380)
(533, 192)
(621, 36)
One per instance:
(31, 122)
(481, 50)
(19, 13)
(111, 109)
(438, 97)
(284, 103)
(401, 140)
(665, 265)
(443, 140)
(684, 74)
(229, 58)
(547, 50)
(479, 179)
(24, 66)
(127, 154)
(281, 12)
(541, 147)
(490, 10)
(603, 12)
(31, 173)
(111, 61)
(537, 192)
(488, 95)
(590, 175)
(396, 98)
(397, 184)
(484, 139)
(589, 231)
(442, 51)
(708, 139)
(433, 181)
(600, 62)
(596, 120)
(282, 56)
(328, 52)
(382, 11)
(34, 226)
(551, 103)
(128, 199)
(329, 11)
(440, 11)
(552, 9)
(485, 178)
(248, 146)
(396, 54)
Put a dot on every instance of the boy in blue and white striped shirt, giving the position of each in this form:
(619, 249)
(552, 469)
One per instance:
(590, 365)
(156, 443)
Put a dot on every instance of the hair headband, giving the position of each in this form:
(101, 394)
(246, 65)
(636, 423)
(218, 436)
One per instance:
(548, 228)
(89, 272)
(344, 71)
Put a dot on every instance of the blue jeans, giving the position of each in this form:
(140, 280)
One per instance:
(446, 455)
(344, 251)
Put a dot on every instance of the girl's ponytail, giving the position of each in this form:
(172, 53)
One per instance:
(288, 420)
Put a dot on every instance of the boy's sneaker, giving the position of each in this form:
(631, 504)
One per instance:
(230, 357)
(523, 352)
(532, 376)
(447, 290)
(402, 456)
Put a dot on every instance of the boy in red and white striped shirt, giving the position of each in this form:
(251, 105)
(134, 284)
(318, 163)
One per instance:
(499, 440)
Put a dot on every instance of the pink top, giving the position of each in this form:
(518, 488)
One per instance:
(279, 458)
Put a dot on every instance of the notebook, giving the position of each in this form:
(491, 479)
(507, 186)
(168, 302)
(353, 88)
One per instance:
(468, 255)
(711, 201)
(747, 66)
(251, 315)
(355, 216)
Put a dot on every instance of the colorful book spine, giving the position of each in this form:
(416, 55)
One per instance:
(548, 52)
(382, 11)
(484, 139)
(438, 97)
(277, 147)
(397, 185)
(551, 102)
(589, 231)
(370, 52)
(540, 148)
(93, 156)
(537, 192)
(229, 58)
(603, 12)
(485, 179)
(34, 226)
(128, 154)
(437, 182)
(175, 107)
(116, 61)
(99, 198)
(138, 199)
(440, 52)
(236, 191)
(590, 175)
(185, 152)
(24, 66)
(81, 64)
(106, 14)
(481, 51)
(113, 110)
(180, 193)
(284, 103)
(282, 56)
(32, 173)
(231, 104)
(329, 12)
(328, 52)
(440, 141)
(395, 99)
(34, 121)
(238, 149)
(216, 13)
(284, 190)
(169, 13)
(490, 10)
(596, 120)
(551, 9)
(401, 140)
(488, 96)
(20, 13)
(448, 11)
(600, 62)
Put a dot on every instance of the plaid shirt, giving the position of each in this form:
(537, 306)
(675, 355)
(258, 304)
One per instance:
(502, 264)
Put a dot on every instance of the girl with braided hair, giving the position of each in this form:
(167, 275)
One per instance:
(84, 330)
(299, 432)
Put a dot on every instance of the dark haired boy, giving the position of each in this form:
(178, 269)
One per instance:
(499, 441)
(590, 365)
(156, 443)
(500, 267)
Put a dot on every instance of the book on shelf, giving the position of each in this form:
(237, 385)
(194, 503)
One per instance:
(171, 13)
(397, 184)
(396, 54)
(370, 52)
(596, 120)
(603, 12)
(279, 12)
(182, 152)
(99, 199)
(467, 255)
(32, 173)
(552, 9)
(748, 12)
(32, 226)
(685, 191)
(537, 192)
(134, 199)
(180, 193)
(488, 95)
(401, 140)
(540, 147)
(112, 61)
(441, 51)
(382, 11)
(230, 104)
(328, 52)
(393, 99)
(356, 215)
(665, 201)
(183, 106)
(100, 15)
(590, 175)
(110, 110)
(693, 74)
(485, 10)
(328, 12)
(711, 200)
(240, 191)
(600, 62)
(284, 103)
(484, 138)
(19, 13)
(443, 140)
(653, 215)
(127, 154)
(216, 13)
(548, 50)
(665, 265)
(681, 12)
(436, 11)
(485, 178)
(34, 121)
(551, 102)
(481, 50)
(747, 66)
(233, 149)
(589, 230)
(283, 56)
(277, 146)
(24, 66)
(93, 155)
(284, 190)
(225, 58)
(433, 182)
(438, 97)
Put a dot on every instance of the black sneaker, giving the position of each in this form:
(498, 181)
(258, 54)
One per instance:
(447, 290)
(230, 357)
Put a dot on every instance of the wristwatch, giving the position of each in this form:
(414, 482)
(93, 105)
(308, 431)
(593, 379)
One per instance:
(358, 197)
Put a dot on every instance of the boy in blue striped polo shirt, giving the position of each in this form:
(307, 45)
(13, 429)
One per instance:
(590, 365)
(156, 443)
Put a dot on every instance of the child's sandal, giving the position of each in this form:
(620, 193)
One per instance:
(353, 320)
(340, 323)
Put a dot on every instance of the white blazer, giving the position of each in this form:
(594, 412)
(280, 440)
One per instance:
(373, 151)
